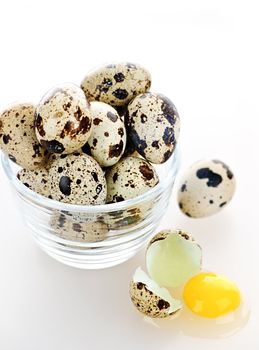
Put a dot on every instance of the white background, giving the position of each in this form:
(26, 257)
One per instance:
(204, 56)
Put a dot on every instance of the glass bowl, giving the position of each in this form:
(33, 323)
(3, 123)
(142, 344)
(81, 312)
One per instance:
(94, 237)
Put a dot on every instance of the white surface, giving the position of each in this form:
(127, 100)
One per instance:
(203, 55)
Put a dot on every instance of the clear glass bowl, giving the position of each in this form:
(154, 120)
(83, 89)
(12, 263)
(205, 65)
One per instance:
(94, 237)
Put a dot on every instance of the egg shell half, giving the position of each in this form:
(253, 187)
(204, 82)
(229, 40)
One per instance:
(172, 257)
(150, 299)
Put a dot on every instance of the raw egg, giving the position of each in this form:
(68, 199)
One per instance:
(211, 295)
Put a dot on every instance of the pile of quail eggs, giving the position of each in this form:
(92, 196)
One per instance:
(93, 144)
(97, 144)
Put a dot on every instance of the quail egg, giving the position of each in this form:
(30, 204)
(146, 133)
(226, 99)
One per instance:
(54, 156)
(129, 178)
(108, 138)
(116, 84)
(78, 230)
(36, 180)
(206, 188)
(77, 179)
(127, 218)
(18, 139)
(153, 126)
(150, 299)
(63, 119)
(173, 257)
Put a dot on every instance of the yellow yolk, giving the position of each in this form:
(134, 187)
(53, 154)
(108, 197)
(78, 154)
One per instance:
(211, 295)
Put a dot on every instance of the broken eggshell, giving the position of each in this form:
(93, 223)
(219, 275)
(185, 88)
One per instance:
(150, 299)
(172, 257)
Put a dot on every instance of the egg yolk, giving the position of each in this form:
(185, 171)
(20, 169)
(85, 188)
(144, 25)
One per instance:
(211, 295)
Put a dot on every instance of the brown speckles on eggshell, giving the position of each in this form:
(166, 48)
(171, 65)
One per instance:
(116, 150)
(66, 187)
(147, 302)
(63, 117)
(146, 171)
(36, 180)
(165, 233)
(97, 121)
(119, 77)
(20, 142)
(110, 148)
(150, 115)
(211, 185)
(78, 229)
(133, 176)
(116, 84)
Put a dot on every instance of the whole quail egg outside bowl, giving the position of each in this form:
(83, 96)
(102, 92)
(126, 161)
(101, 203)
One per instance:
(97, 236)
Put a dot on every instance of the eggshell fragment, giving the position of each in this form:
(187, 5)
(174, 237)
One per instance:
(150, 299)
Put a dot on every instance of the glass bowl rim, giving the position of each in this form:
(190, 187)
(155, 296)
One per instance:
(110, 207)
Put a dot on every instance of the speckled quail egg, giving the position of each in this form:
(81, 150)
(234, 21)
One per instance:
(129, 178)
(77, 230)
(121, 219)
(206, 188)
(77, 179)
(36, 180)
(153, 126)
(150, 299)
(116, 84)
(108, 138)
(173, 257)
(54, 156)
(63, 119)
(18, 139)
